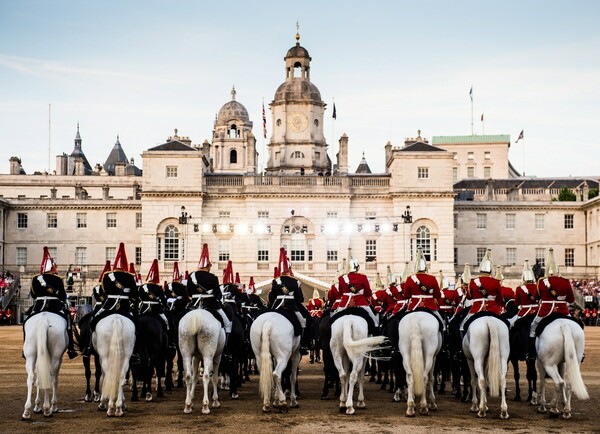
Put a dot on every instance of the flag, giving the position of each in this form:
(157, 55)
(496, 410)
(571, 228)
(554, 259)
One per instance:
(334, 115)
(481, 117)
(471, 93)
(264, 121)
(520, 136)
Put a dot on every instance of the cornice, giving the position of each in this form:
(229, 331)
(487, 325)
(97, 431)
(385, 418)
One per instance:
(146, 194)
(78, 206)
(517, 206)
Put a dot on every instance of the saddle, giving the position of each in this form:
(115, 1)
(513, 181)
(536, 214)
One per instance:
(554, 316)
(522, 323)
(107, 313)
(216, 314)
(358, 312)
(291, 317)
(482, 314)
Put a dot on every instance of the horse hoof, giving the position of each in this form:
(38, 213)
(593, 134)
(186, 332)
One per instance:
(216, 404)
(361, 405)
(350, 410)
(235, 396)
(295, 405)
(48, 413)
(266, 409)
(101, 407)
(119, 412)
(342, 409)
(517, 398)
(26, 417)
(324, 397)
(424, 411)
(433, 406)
(148, 397)
(187, 409)
(481, 414)
(410, 413)
(504, 415)
(88, 398)
(283, 409)
(37, 410)
(553, 415)
(566, 416)
(205, 409)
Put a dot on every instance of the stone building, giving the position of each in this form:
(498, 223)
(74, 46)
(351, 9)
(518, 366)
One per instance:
(452, 197)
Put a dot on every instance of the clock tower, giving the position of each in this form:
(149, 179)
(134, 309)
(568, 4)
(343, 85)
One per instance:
(298, 141)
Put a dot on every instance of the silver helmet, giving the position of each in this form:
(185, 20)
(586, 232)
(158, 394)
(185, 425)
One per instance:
(527, 276)
(379, 282)
(406, 271)
(353, 265)
(551, 265)
(443, 282)
(420, 263)
(486, 265)
(466, 275)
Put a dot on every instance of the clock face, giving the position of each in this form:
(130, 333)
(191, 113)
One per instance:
(298, 123)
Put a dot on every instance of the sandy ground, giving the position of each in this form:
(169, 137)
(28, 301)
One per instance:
(166, 415)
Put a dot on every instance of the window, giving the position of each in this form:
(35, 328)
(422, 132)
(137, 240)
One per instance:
(81, 219)
(569, 257)
(370, 215)
(223, 250)
(80, 255)
(370, 250)
(171, 243)
(278, 123)
(21, 255)
(297, 154)
(158, 249)
(138, 220)
(456, 256)
(540, 256)
(309, 248)
(52, 220)
(54, 253)
(332, 214)
(423, 172)
(297, 252)
(332, 250)
(511, 255)
(111, 252)
(138, 256)
(111, 219)
(22, 220)
(456, 221)
(539, 221)
(487, 155)
(481, 221)
(423, 241)
(569, 221)
(224, 214)
(487, 172)
(233, 156)
(455, 174)
(263, 214)
(470, 156)
(470, 172)
(510, 221)
(171, 171)
(480, 254)
(262, 249)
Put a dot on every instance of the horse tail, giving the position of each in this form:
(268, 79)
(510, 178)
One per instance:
(42, 364)
(112, 380)
(266, 364)
(572, 363)
(361, 346)
(416, 358)
(494, 372)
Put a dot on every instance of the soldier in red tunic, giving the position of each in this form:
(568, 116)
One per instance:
(526, 295)
(315, 305)
(355, 290)
(555, 293)
(423, 289)
(450, 298)
(509, 309)
(396, 291)
(484, 291)
(380, 300)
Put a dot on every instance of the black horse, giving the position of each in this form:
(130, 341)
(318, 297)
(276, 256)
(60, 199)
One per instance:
(235, 351)
(174, 316)
(315, 339)
(152, 346)
(332, 378)
(83, 338)
(459, 365)
(519, 341)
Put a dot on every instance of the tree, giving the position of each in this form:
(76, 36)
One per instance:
(593, 193)
(566, 195)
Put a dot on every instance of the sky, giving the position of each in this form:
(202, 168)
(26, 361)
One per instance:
(140, 69)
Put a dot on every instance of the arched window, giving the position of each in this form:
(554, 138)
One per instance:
(423, 241)
(297, 154)
(233, 156)
(171, 243)
(233, 132)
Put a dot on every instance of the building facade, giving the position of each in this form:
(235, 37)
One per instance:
(453, 198)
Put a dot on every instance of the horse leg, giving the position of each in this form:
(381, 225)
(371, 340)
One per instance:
(531, 382)
(208, 368)
(360, 400)
(169, 374)
(214, 379)
(356, 363)
(343, 374)
(120, 402)
(482, 389)
(410, 381)
(88, 375)
(503, 404)
(294, 379)
(280, 400)
(98, 375)
(515, 364)
(37, 408)
(429, 384)
(29, 364)
(474, 390)
(567, 401)
(542, 396)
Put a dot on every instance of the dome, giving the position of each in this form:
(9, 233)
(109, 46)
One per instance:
(232, 110)
(298, 89)
(297, 51)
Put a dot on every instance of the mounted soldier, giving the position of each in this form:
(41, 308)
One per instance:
(152, 296)
(508, 294)
(176, 292)
(255, 302)
(555, 294)
(48, 292)
(527, 299)
(286, 294)
(422, 289)
(204, 290)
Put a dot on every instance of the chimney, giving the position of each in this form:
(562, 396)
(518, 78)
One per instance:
(62, 163)
(79, 167)
(53, 192)
(120, 168)
(105, 191)
(343, 154)
(15, 165)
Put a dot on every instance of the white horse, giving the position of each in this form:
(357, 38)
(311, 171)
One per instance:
(114, 339)
(486, 346)
(201, 337)
(559, 349)
(46, 341)
(419, 342)
(272, 337)
(349, 345)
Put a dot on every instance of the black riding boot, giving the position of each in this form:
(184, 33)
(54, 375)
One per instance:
(531, 352)
(304, 342)
(71, 346)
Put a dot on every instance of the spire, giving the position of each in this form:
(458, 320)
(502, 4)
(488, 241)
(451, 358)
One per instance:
(297, 33)
(77, 138)
(363, 167)
(233, 92)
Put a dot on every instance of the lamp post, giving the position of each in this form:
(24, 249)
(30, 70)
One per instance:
(407, 219)
(183, 220)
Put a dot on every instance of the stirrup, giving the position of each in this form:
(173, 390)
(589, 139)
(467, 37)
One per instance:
(72, 354)
(135, 359)
(303, 350)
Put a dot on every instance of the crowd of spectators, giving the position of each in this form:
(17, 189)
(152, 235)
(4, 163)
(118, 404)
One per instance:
(6, 316)
(590, 290)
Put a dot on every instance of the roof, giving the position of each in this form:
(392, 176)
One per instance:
(174, 145)
(559, 183)
(486, 138)
(421, 147)
(117, 155)
(297, 51)
(363, 167)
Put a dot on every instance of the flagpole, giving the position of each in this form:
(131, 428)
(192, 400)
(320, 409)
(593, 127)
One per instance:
(336, 160)
(482, 125)
(49, 134)
(471, 110)
(523, 144)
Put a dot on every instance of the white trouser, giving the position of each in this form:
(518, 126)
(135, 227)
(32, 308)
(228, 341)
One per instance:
(442, 322)
(226, 322)
(301, 319)
(372, 315)
(164, 318)
(534, 325)
(462, 324)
